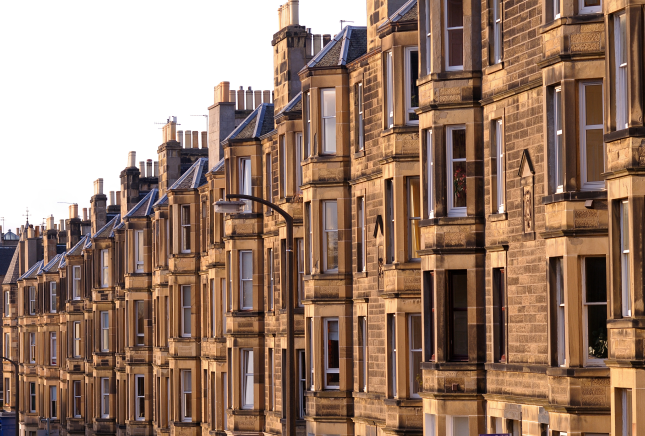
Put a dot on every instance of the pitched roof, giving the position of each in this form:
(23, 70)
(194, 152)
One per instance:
(6, 255)
(13, 270)
(295, 105)
(52, 266)
(219, 168)
(33, 271)
(194, 177)
(258, 123)
(163, 200)
(108, 230)
(77, 249)
(407, 12)
(347, 46)
(144, 207)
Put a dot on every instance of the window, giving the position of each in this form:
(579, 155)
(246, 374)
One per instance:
(360, 118)
(105, 397)
(429, 315)
(32, 397)
(302, 384)
(32, 300)
(245, 180)
(52, 297)
(389, 221)
(590, 6)
(283, 167)
(429, 426)
(105, 331)
(186, 305)
(185, 229)
(389, 90)
(140, 325)
(457, 171)
(213, 309)
(223, 307)
(416, 353)
(625, 260)
(362, 346)
(307, 116)
(620, 58)
(53, 402)
(76, 282)
(32, 347)
(361, 235)
(269, 179)
(328, 111)
(458, 316)
(77, 339)
(499, 315)
(391, 355)
(557, 292)
(330, 236)
(310, 237)
(300, 250)
(247, 378)
(457, 425)
(428, 38)
(595, 309)
(53, 349)
(105, 272)
(454, 35)
(310, 326)
(624, 420)
(430, 175)
(230, 281)
(186, 395)
(414, 215)
(7, 388)
(246, 280)
(592, 147)
(411, 88)
(271, 282)
(140, 400)
(332, 353)
(556, 9)
(271, 379)
(496, 43)
(556, 153)
(76, 391)
(299, 160)
(6, 304)
(497, 167)
(7, 345)
(138, 249)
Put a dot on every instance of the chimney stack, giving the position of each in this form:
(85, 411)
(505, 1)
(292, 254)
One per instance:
(132, 159)
(149, 168)
(204, 140)
(189, 137)
(195, 139)
(180, 138)
(221, 122)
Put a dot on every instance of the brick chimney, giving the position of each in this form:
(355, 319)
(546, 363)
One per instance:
(50, 240)
(99, 207)
(221, 121)
(169, 153)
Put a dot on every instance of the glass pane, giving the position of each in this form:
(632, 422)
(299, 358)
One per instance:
(186, 295)
(455, 14)
(596, 280)
(597, 331)
(558, 110)
(247, 293)
(329, 124)
(459, 184)
(247, 266)
(333, 345)
(140, 386)
(415, 198)
(332, 249)
(415, 331)
(186, 316)
(459, 290)
(139, 317)
(460, 426)
(331, 215)
(414, 76)
(416, 372)
(560, 167)
(460, 333)
(625, 225)
(595, 155)
(459, 144)
(329, 103)
(593, 103)
(455, 47)
(589, 3)
(415, 235)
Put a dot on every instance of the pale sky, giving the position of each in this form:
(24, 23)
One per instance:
(83, 82)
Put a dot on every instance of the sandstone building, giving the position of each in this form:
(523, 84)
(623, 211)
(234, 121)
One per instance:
(465, 180)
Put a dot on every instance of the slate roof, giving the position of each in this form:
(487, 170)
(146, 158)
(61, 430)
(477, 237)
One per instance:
(295, 105)
(6, 255)
(144, 207)
(347, 46)
(108, 230)
(194, 177)
(258, 123)
(33, 271)
(219, 167)
(13, 270)
(407, 12)
(163, 200)
(53, 265)
(77, 249)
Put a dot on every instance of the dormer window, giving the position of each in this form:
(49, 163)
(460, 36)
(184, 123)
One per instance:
(328, 111)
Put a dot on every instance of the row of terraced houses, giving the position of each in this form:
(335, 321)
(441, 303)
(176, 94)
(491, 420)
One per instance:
(466, 179)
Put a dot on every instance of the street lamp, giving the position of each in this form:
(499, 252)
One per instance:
(290, 373)
(17, 413)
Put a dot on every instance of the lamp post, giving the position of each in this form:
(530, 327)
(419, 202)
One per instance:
(17, 413)
(289, 373)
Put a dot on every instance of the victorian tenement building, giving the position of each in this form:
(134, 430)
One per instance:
(466, 182)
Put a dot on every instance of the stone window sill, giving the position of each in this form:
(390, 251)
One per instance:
(498, 217)
(494, 68)
(574, 196)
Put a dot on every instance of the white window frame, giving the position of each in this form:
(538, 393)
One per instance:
(447, 40)
(497, 31)
(585, 317)
(246, 280)
(184, 217)
(329, 145)
(428, 38)
(452, 210)
(224, 303)
(307, 107)
(6, 304)
(272, 379)
(558, 140)
(414, 350)
(430, 172)
(245, 180)
(32, 397)
(138, 251)
(361, 116)
(620, 60)
(213, 309)
(269, 177)
(389, 90)
(430, 426)
(7, 345)
(625, 259)
(361, 234)
(105, 397)
(283, 166)
(311, 353)
(247, 357)
(105, 331)
(140, 335)
(32, 300)
(498, 137)
(582, 9)
(53, 348)
(139, 398)
(105, 272)
(229, 273)
(52, 297)
(451, 429)
(302, 383)
(409, 110)
(390, 221)
(325, 204)
(392, 364)
(186, 395)
(300, 265)
(326, 368)
(76, 282)
(626, 411)
(76, 326)
(186, 307)
(411, 219)
(561, 313)
(362, 325)
(32, 347)
(556, 9)
(76, 392)
(310, 237)
(597, 184)
(53, 402)
(299, 160)
(271, 290)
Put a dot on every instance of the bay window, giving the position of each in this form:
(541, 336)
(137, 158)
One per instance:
(105, 397)
(328, 115)
(391, 354)
(32, 300)
(53, 402)
(77, 338)
(594, 300)
(300, 252)
(186, 306)
(499, 315)
(245, 180)
(411, 88)
(247, 378)
(140, 397)
(414, 215)
(625, 259)
(186, 395)
(416, 352)
(361, 235)
(105, 332)
(76, 282)
(139, 310)
(138, 250)
(454, 35)
(592, 147)
(76, 392)
(330, 236)
(32, 347)
(389, 221)
(458, 315)
(389, 90)
(496, 43)
(52, 297)
(185, 228)
(331, 353)
(430, 172)
(360, 118)
(246, 280)
(362, 347)
(53, 349)
(457, 174)
(621, 96)
(497, 168)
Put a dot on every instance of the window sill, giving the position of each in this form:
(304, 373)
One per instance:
(575, 19)
(329, 393)
(455, 75)
(494, 68)
(452, 366)
(400, 129)
(637, 132)
(360, 275)
(359, 154)
(414, 264)
(403, 402)
(574, 196)
(498, 217)
(454, 221)
(598, 371)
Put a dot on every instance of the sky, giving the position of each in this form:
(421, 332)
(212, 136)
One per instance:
(84, 82)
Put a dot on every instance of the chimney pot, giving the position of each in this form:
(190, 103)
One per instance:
(258, 98)
(188, 139)
(98, 187)
(156, 169)
(266, 96)
(293, 12)
(204, 140)
(173, 129)
(118, 198)
(180, 138)
(231, 96)
(240, 99)
(149, 168)
(195, 139)
(61, 225)
(50, 223)
(142, 168)
(84, 214)
(249, 99)
(112, 198)
(132, 159)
